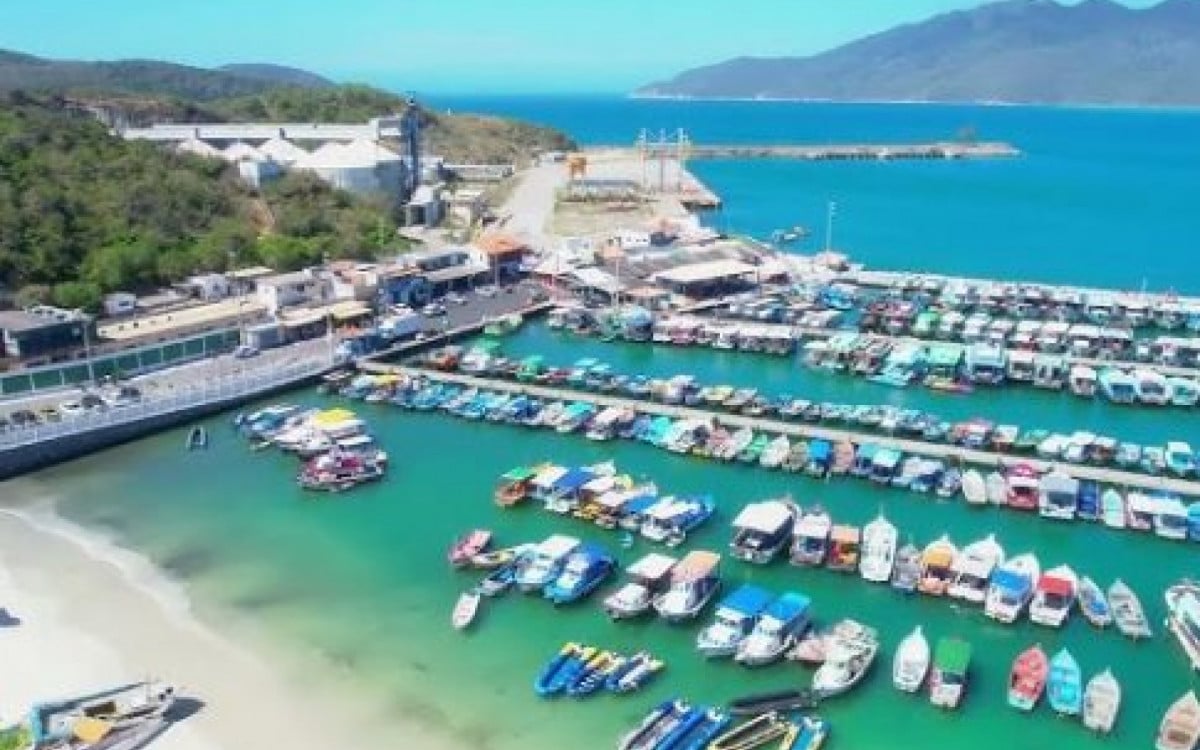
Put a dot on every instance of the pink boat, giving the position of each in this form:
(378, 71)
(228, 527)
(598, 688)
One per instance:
(468, 546)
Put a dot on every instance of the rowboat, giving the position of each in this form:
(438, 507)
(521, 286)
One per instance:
(1101, 701)
(1054, 596)
(467, 546)
(974, 488)
(1027, 679)
(1183, 618)
(114, 718)
(758, 731)
(1180, 728)
(936, 563)
(1064, 689)
(878, 550)
(1093, 604)
(912, 662)
(465, 610)
(1011, 588)
(1127, 611)
(951, 668)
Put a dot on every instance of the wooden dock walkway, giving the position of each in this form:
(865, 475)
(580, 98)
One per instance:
(955, 453)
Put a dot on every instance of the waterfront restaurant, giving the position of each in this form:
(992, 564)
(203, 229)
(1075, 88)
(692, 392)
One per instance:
(708, 279)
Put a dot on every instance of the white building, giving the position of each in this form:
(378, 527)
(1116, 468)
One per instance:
(282, 152)
(210, 286)
(119, 303)
(359, 167)
(288, 289)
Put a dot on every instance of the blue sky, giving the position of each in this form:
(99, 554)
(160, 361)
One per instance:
(447, 46)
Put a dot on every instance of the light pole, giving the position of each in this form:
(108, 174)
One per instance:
(830, 212)
(87, 348)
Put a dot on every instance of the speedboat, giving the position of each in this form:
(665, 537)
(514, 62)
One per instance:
(734, 620)
(1022, 488)
(1064, 689)
(937, 561)
(582, 573)
(762, 530)
(879, 539)
(647, 577)
(672, 518)
(1170, 517)
(775, 453)
(695, 580)
(1058, 496)
(778, 628)
(951, 669)
(1180, 727)
(1112, 509)
(973, 567)
(1027, 680)
(811, 537)
(996, 488)
(542, 564)
(847, 659)
(1054, 596)
(912, 662)
(1010, 588)
(634, 673)
(1183, 618)
(1101, 701)
(657, 724)
(1093, 604)
(1127, 611)
(468, 546)
(906, 573)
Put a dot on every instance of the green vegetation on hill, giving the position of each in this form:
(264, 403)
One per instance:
(83, 212)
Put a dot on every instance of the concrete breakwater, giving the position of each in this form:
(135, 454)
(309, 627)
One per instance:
(846, 152)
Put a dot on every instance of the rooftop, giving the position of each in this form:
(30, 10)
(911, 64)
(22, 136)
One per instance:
(31, 320)
(199, 315)
(712, 270)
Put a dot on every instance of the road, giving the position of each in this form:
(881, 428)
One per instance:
(529, 207)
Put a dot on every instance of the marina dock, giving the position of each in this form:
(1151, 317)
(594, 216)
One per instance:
(987, 459)
(851, 151)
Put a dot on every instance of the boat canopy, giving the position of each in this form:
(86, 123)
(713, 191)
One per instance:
(332, 417)
(953, 656)
(846, 534)
(1052, 584)
(866, 452)
(938, 556)
(695, 565)
(557, 546)
(788, 607)
(600, 485)
(945, 355)
(653, 567)
(546, 478)
(747, 600)
(640, 502)
(1057, 483)
(519, 474)
(573, 479)
(1011, 581)
(814, 525)
(886, 458)
(820, 451)
(766, 517)
(671, 508)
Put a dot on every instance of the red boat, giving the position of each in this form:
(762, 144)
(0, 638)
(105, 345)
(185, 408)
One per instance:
(468, 546)
(1023, 487)
(1028, 678)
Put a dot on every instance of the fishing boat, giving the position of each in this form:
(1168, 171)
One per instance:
(1117, 386)
(850, 654)
(647, 578)
(1101, 702)
(1113, 511)
(951, 670)
(1010, 588)
(781, 700)
(543, 562)
(1058, 496)
(775, 453)
(695, 580)
(1183, 618)
(1170, 517)
(813, 731)
(973, 568)
(879, 539)
(583, 570)
(1088, 502)
(1064, 688)
(777, 629)
(634, 673)
(672, 518)
(974, 487)
(751, 734)
(937, 561)
(1027, 680)
(951, 483)
(499, 580)
(468, 546)
(911, 663)
(465, 610)
(698, 726)
(1127, 611)
(844, 548)
(907, 571)
(197, 438)
(1093, 604)
(655, 726)
(996, 487)
(336, 472)
(1180, 727)
(114, 718)
(1181, 460)
(1193, 522)
(762, 530)
(1054, 596)
(734, 620)
(810, 540)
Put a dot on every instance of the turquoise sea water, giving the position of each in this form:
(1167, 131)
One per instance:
(361, 578)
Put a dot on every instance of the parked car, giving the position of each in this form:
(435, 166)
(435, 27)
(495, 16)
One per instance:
(245, 351)
(455, 298)
(433, 309)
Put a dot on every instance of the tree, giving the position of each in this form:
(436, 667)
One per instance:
(78, 295)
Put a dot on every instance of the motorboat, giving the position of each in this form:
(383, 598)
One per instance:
(972, 568)
(1101, 702)
(657, 724)
(879, 539)
(937, 561)
(468, 546)
(1093, 604)
(1058, 496)
(336, 472)
(911, 663)
(1127, 611)
(634, 673)
(1082, 381)
(951, 671)
(583, 570)
(777, 629)
(762, 530)
(775, 453)
(1170, 519)
(542, 564)
(500, 580)
(695, 580)
(1117, 386)
(116, 717)
(849, 656)
(734, 620)
(1010, 588)
(779, 700)
(1140, 510)
(1064, 688)
(647, 578)
(951, 483)
(465, 610)
(810, 542)
(1027, 680)
(595, 674)
(996, 488)
(1181, 460)
(845, 547)
(1183, 618)
(1022, 487)
(906, 573)
(1112, 509)
(1054, 596)
(1180, 727)
(1088, 503)
(696, 730)
(1151, 387)
(754, 733)
(974, 487)
(672, 518)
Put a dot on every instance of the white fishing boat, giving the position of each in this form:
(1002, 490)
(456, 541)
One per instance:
(996, 488)
(1127, 611)
(1010, 588)
(912, 662)
(779, 628)
(847, 659)
(1183, 618)
(1112, 509)
(1058, 496)
(1101, 701)
(1054, 596)
(775, 453)
(647, 577)
(972, 568)
(1180, 728)
(733, 621)
(465, 610)
(695, 580)
(542, 564)
(810, 541)
(974, 487)
(879, 539)
(1082, 381)
(762, 530)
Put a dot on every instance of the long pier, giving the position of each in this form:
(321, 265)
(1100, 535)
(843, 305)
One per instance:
(843, 152)
(987, 459)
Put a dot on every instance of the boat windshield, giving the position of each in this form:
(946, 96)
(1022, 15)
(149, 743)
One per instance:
(949, 679)
(1056, 601)
(1173, 521)
(769, 627)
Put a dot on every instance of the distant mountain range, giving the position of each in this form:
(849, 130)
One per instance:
(30, 73)
(1032, 51)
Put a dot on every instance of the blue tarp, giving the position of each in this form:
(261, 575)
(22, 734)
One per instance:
(788, 606)
(887, 458)
(748, 600)
(820, 451)
(1010, 581)
(866, 453)
(573, 480)
(639, 504)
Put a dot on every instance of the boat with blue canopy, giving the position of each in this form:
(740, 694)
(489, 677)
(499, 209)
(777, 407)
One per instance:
(582, 573)
(734, 620)
(779, 627)
(671, 518)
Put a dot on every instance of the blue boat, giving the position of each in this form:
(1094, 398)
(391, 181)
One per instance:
(656, 433)
(563, 496)
(778, 629)
(569, 671)
(1064, 689)
(1193, 520)
(928, 476)
(582, 573)
(884, 465)
(543, 563)
(715, 722)
(671, 518)
(594, 674)
(864, 459)
(546, 683)
(734, 620)
(820, 458)
(661, 720)
(1087, 501)
(580, 371)
(633, 673)
(691, 719)
(813, 731)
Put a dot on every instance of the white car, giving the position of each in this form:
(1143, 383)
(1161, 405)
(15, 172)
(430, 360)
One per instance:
(71, 409)
(245, 351)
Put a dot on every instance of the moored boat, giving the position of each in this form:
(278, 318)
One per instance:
(751, 734)
(695, 580)
(810, 541)
(762, 530)
(1180, 727)
(655, 726)
(937, 560)
(911, 663)
(514, 486)
(1112, 509)
(1101, 702)
(906, 573)
(879, 540)
(465, 610)
(1011, 587)
(733, 621)
(951, 671)
(1054, 596)
(850, 654)
(781, 700)
(583, 570)
(1127, 611)
(996, 488)
(467, 546)
(1064, 687)
(1183, 618)
(647, 577)
(974, 487)
(1093, 604)
(779, 626)
(1027, 680)
(973, 567)
(845, 544)
(544, 561)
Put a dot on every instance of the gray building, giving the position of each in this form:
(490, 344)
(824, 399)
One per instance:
(42, 332)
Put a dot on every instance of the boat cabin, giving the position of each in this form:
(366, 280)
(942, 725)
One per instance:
(844, 547)
(1058, 495)
(884, 465)
(762, 530)
(694, 580)
(1049, 371)
(1021, 366)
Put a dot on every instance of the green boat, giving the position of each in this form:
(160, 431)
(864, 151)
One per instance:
(751, 453)
(503, 325)
(531, 368)
(951, 663)
(1029, 440)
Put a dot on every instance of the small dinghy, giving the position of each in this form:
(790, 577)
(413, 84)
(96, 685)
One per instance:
(465, 610)
(974, 488)
(1101, 701)
(912, 662)
(1093, 604)
(1127, 611)
(1027, 680)
(468, 546)
(1180, 728)
(1064, 688)
(197, 438)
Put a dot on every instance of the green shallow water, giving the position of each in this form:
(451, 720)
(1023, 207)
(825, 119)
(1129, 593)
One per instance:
(361, 578)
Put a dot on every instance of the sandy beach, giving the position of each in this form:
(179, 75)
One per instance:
(87, 615)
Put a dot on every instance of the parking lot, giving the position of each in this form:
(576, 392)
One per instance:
(472, 307)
